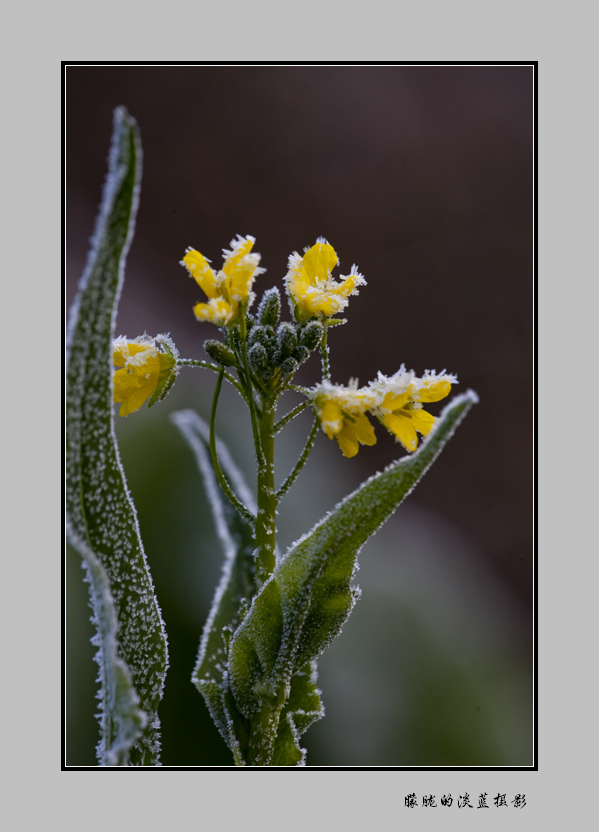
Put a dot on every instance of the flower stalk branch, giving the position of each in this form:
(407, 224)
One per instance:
(222, 480)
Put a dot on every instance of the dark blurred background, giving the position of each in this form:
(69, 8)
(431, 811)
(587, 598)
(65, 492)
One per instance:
(423, 177)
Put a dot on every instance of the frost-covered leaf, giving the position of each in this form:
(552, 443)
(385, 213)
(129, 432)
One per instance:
(307, 600)
(237, 585)
(122, 719)
(101, 519)
(302, 708)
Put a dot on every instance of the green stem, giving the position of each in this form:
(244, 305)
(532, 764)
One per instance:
(291, 415)
(249, 391)
(264, 733)
(324, 353)
(216, 368)
(267, 497)
(231, 496)
(299, 464)
(298, 389)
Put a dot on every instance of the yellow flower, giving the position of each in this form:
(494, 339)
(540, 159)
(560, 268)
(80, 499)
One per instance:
(145, 371)
(229, 290)
(400, 403)
(342, 414)
(312, 291)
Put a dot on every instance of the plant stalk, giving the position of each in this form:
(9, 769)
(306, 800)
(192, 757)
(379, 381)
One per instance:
(267, 498)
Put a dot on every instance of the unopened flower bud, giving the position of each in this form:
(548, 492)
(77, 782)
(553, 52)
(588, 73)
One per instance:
(220, 353)
(262, 334)
(311, 334)
(301, 354)
(258, 358)
(288, 366)
(269, 310)
(287, 339)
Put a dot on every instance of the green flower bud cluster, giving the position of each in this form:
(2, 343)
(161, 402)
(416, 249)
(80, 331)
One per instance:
(272, 347)
(279, 348)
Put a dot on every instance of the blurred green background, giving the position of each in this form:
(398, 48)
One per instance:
(423, 176)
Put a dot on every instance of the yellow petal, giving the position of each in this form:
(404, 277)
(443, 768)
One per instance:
(135, 401)
(215, 311)
(395, 401)
(299, 286)
(123, 350)
(345, 288)
(239, 249)
(198, 267)
(364, 430)
(401, 427)
(239, 282)
(348, 441)
(133, 387)
(331, 418)
(433, 391)
(422, 421)
(321, 304)
(319, 261)
(331, 300)
(119, 355)
(326, 303)
(124, 385)
(238, 273)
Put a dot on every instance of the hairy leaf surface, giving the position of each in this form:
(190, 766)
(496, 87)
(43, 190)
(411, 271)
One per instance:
(307, 600)
(237, 585)
(101, 519)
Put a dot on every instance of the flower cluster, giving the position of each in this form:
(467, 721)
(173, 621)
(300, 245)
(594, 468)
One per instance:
(268, 353)
(396, 401)
(312, 291)
(145, 370)
(229, 290)
(281, 351)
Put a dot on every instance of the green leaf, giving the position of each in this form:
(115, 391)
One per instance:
(305, 603)
(167, 378)
(122, 719)
(302, 708)
(101, 519)
(235, 590)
